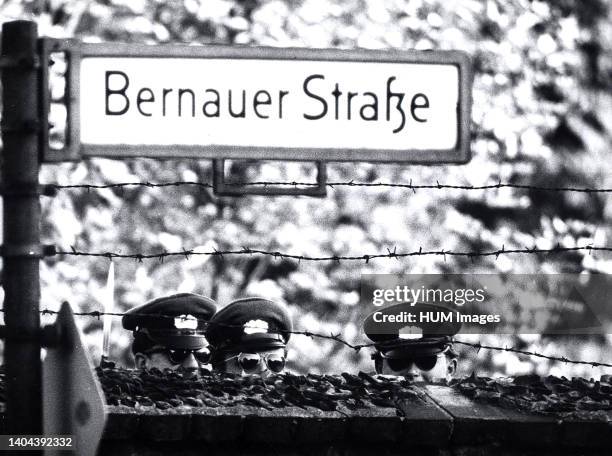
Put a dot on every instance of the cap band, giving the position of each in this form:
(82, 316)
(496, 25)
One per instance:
(253, 342)
(182, 339)
(400, 348)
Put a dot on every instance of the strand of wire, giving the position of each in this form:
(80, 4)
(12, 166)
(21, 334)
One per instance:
(391, 254)
(563, 359)
(334, 337)
(409, 186)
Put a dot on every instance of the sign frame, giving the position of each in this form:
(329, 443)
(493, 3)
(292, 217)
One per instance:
(76, 51)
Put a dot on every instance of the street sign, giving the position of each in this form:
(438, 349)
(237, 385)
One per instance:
(267, 103)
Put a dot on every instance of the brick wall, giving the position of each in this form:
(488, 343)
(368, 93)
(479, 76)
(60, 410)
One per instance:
(444, 423)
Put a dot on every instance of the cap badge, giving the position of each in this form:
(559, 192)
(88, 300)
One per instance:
(256, 326)
(185, 322)
(410, 332)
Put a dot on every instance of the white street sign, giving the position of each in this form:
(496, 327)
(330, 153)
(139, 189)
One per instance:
(258, 103)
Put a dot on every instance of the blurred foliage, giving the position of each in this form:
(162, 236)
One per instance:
(542, 115)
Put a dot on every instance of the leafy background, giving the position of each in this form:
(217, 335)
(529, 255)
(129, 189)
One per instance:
(542, 115)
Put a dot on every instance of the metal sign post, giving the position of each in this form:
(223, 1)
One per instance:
(21, 250)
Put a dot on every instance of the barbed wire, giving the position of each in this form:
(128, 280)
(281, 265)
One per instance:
(333, 337)
(129, 184)
(337, 258)
(563, 359)
(351, 183)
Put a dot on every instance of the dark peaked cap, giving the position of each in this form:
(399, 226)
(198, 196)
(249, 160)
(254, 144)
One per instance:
(435, 336)
(159, 320)
(227, 327)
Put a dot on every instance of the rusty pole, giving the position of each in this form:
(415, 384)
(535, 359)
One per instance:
(21, 223)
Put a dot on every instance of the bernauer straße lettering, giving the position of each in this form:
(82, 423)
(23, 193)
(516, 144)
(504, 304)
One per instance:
(320, 97)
